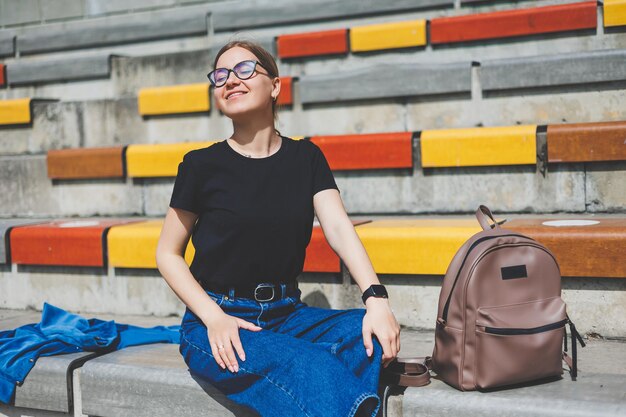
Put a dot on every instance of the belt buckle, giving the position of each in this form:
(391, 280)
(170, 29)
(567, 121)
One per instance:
(260, 287)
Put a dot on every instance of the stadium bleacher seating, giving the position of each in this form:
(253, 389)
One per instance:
(423, 110)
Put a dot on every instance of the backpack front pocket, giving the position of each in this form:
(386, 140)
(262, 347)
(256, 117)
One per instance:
(519, 343)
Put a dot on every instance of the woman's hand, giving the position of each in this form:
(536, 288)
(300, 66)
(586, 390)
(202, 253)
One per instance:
(223, 330)
(379, 319)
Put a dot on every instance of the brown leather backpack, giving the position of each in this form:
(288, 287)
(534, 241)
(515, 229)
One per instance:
(500, 319)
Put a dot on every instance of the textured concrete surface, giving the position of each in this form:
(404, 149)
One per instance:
(596, 305)
(28, 71)
(109, 385)
(33, 194)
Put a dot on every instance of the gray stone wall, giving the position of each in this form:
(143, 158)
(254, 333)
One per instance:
(34, 12)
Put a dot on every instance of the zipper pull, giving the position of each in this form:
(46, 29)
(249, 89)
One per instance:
(441, 322)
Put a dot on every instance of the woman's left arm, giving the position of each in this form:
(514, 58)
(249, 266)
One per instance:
(340, 234)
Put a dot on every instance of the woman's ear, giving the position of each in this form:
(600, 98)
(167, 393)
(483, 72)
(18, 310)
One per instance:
(275, 88)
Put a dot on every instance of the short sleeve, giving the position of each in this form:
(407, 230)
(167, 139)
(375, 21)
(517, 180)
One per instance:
(184, 195)
(322, 175)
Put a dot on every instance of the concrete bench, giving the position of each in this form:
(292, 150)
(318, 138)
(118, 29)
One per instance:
(82, 163)
(5, 229)
(395, 35)
(17, 111)
(68, 242)
(405, 80)
(244, 15)
(484, 146)
(548, 70)
(31, 72)
(158, 160)
(153, 380)
(367, 151)
(328, 42)
(587, 142)
(190, 98)
(149, 380)
(586, 246)
(138, 27)
(175, 99)
(49, 385)
(598, 390)
(509, 23)
(614, 13)
(7, 43)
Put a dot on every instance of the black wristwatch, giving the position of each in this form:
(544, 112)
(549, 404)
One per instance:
(378, 291)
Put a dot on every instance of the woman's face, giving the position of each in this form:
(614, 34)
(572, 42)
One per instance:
(238, 98)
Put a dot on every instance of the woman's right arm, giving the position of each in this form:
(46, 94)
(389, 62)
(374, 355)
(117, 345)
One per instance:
(222, 328)
(171, 263)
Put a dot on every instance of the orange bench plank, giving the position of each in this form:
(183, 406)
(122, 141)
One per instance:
(587, 142)
(3, 75)
(313, 43)
(86, 163)
(70, 242)
(514, 23)
(285, 97)
(582, 251)
(368, 151)
(320, 257)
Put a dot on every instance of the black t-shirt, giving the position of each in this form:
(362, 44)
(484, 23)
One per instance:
(255, 214)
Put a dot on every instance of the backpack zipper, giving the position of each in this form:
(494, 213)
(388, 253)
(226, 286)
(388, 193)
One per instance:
(444, 315)
(533, 330)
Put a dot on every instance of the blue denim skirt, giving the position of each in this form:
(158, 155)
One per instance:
(307, 361)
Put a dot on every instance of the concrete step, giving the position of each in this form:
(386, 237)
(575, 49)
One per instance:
(179, 64)
(576, 187)
(154, 380)
(411, 266)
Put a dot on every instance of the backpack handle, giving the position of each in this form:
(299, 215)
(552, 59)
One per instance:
(408, 372)
(483, 214)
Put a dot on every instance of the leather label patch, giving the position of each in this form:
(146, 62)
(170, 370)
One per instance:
(514, 272)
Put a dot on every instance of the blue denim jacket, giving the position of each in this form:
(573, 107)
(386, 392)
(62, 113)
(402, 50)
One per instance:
(61, 332)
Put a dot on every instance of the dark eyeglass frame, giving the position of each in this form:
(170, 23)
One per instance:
(235, 70)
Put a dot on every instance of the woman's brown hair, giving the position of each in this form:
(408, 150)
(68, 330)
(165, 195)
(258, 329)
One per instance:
(266, 60)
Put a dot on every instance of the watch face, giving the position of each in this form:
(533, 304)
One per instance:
(379, 291)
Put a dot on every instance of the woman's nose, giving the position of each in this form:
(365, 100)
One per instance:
(232, 78)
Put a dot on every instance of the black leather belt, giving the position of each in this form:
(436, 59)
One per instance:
(264, 292)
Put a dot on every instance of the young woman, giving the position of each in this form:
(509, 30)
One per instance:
(248, 202)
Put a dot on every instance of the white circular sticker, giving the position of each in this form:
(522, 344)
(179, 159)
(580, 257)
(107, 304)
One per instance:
(80, 223)
(559, 223)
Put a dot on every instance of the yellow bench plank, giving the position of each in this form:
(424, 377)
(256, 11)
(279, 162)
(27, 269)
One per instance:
(135, 246)
(158, 160)
(515, 145)
(614, 12)
(388, 36)
(421, 246)
(187, 98)
(15, 111)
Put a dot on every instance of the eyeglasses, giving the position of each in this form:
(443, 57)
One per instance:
(242, 70)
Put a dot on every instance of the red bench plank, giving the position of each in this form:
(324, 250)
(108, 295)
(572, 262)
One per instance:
(286, 95)
(313, 43)
(595, 250)
(368, 151)
(514, 23)
(320, 257)
(71, 242)
(586, 142)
